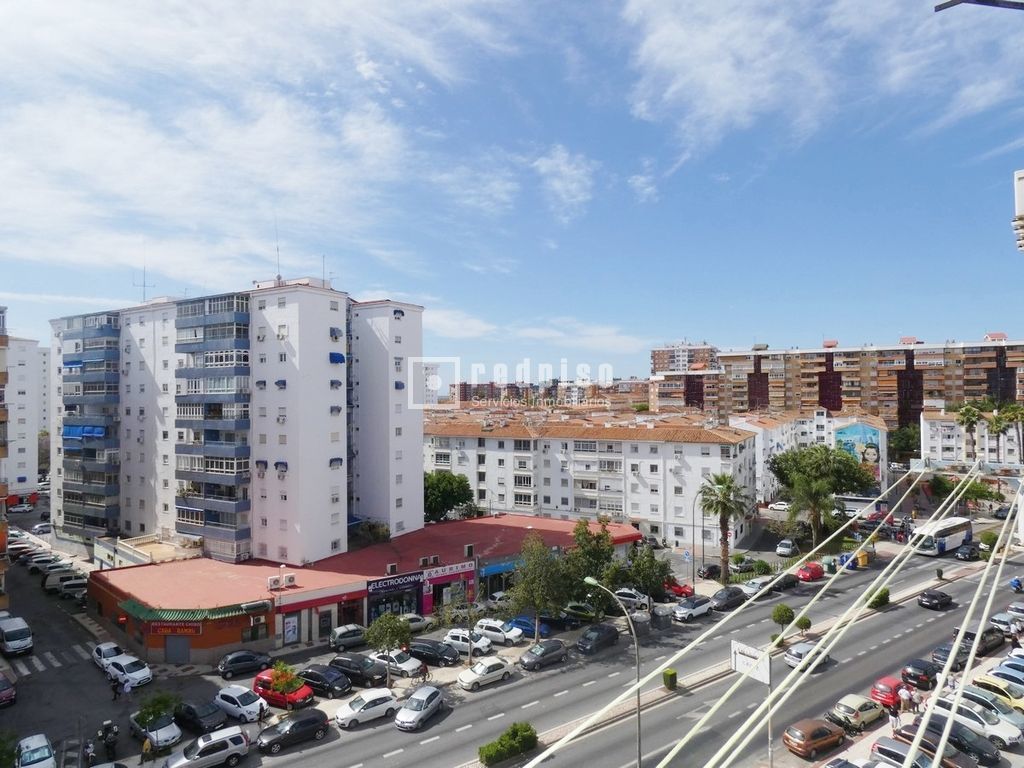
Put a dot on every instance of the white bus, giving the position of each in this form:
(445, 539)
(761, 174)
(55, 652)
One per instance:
(933, 539)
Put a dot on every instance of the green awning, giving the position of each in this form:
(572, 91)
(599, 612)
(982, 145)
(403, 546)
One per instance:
(144, 613)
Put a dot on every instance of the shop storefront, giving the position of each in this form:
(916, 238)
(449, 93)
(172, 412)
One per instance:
(497, 576)
(394, 594)
(449, 585)
(311, 619)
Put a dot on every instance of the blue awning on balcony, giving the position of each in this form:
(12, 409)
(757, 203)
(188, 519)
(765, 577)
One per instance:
(399, 385)
(335, 462)
(261, 463)
(72, 363)
(280, 383)
(335, 384)
(337, 357)
(261, 383)
(281, 466)
(72, 433)
(94, 431)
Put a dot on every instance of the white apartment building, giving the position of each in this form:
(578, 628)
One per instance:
(226, 420)
(943, 440)
(645, 473)
(24, 385)
(773, 434)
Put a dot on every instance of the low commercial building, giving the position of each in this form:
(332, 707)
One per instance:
(194, 611)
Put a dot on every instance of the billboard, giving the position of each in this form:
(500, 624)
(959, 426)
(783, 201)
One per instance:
(864, 444)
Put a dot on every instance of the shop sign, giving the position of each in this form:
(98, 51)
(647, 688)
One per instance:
(176, 627)
(394, 583)
(449, 570)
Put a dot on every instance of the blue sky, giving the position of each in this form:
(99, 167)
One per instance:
(558, 180)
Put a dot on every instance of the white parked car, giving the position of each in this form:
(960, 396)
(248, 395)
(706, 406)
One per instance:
(779, 506)
(21, 508)
(104, 652)
(632, 599)
(369, 705)
(500, 599)
(787, 548)
(399, 662)
(498, 631)
(1004, 621)
(162, 731)
(35, 751)
(417, 623)
(1016, 610)
(691, 607)
(128, 669)
(485, 672)
(240, 703)
(981, 721)
(462, 639)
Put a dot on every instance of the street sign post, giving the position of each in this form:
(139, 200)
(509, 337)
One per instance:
(746, 658)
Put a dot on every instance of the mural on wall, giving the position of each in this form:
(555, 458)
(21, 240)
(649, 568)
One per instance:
(863, 443)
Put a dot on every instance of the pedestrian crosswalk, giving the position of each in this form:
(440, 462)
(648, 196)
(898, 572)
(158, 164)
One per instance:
(46, 660)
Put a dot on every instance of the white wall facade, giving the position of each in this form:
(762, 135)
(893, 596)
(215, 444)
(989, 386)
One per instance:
(944, 440)
(21, 467)
(387, 429)
(44, 388)
(772, 436)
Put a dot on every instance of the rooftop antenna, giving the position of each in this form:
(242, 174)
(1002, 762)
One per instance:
(143, 285)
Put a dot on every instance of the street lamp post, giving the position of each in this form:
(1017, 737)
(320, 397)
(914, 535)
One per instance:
(693, 534)
(636, 647)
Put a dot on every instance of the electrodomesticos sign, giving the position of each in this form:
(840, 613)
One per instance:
(394, 583)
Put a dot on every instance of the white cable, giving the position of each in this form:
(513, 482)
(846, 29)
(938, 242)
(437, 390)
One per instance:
(733, 616)
(958, 640)
(802, 672)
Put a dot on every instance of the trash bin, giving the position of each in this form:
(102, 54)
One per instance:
(848, 561)
(661, 617)
(830, 565)
(642, 623)
(862, 559)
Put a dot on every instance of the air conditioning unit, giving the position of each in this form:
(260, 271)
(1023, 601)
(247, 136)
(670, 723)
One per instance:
(289, 580)
(254, 620)
(282, 419)
(273, 582)
(261, 337)
(391, 569)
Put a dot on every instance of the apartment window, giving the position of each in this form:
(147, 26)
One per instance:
(725, 452)
(398, 339)
(653, 468)
(547, 499)
(333, 306)
(280, 302)
(282, 439)
(166, 484)
(127, 389)
(398, 479)
(565, 482)
(262, 357)
(705, 450)
(565, 501)
(398, 455)
(501, 462)
(142, 527)
(335, 437)
(481, 494)
(634, 449)
(262, 439)
(261, 411)
(398, 431)
(654, 449)
(398, 408)
(677, 490)
(398, 503)
(546, 481)
(142, 342)
(654, 508)
(282, 553)
(263, 493)
(335, 543)
(165, 459)
(481, 460)
(263, 522)
(282, 331)
(142, 505)
(565, 446)
(142, 388)
(547, 463)
(481, 442)
(634, 488)
(335, 494)
(655, 489)
(501, 444)
(398, 365)
(282, 357)
(284, 496)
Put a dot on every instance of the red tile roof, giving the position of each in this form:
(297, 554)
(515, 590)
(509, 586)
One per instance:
(204, 583)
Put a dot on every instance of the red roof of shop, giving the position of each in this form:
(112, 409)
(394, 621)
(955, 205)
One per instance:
(205, 583)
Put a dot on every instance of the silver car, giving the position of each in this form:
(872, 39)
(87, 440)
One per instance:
(224, 747)
(425, 702)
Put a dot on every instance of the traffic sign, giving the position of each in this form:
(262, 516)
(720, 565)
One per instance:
(745, 657)
(687, 557)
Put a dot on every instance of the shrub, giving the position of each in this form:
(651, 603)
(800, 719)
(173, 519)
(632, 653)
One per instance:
(283, 678)
(518, 739)
(803, 624)
(778, 640)
(985, 555)
(762, 567)
(782, 615)
(989, 539)
(737, 559)
(880, 599)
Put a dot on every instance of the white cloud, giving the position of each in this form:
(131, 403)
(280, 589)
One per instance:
(488, 185)
(455, 324)
(570, 333)
(568, 181)
(643, 184)
(59, 299)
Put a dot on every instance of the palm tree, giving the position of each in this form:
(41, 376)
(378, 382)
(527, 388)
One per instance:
(1014, 414)
(998, 425)
(719, 495)
(968, 418)
(813, 496)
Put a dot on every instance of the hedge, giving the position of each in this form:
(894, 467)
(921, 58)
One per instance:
(880, 599)
(518, 739)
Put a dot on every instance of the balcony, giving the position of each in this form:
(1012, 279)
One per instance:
(111, 397)
(215, 478)
(212, 345)
(111, 511)
(99, 420)
(230, 424)
(214, 449)
(221, 504)
(217, 318)
(93, 464)
(200, 398)
(209, 372)
(93, 487)
(93, 332)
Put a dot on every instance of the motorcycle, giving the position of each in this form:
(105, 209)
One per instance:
(1016, 584)
(108, 735)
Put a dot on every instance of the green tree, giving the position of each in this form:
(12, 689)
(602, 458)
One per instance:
(155, 705)
(842, 471)
(540, 586)
(443, 492)
(803, 624)
(968, 418)
(648, 573)
(591, 554)
(941, 486)
(1014, 414)
(720, 497)
(782, 615)
(998, 425)
(386, 634)
(812, 497)
(905, 441)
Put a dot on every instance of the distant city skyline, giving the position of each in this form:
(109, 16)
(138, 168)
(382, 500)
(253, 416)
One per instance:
(548, 181)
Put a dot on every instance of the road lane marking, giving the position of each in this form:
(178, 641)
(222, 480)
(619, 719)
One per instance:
(874, 647)
(735, 714)
(357, 765)
(495, 717)
(861, 653)
(530, 704)
(930, 619)
(897, 637)
(751, 624)
(52, 659)
(589, 682)
(613, 674)
(763, 621)
(462, 728)
(80, 651)
(919, 625)
(844, 661)
(660, 658)
(733, 632)
(392, 753)
(432, 738)
(560, 693)
(38, 664)
(19, 665)
(751, 705)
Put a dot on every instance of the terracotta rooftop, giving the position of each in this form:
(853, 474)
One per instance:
(205, 583)
(576, 429)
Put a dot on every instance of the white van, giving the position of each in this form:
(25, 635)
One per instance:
(15, 636)
(52, 581)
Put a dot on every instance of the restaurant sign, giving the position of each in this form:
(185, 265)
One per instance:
(176, 627)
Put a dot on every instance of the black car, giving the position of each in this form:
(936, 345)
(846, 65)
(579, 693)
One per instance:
(361, 670)
(933, 598)
(710, 571)
(244, 660)
(544, 653)
(991, 639)
(784, 582)
(728, 598)
(292, 728)
(920, 674)
(433, 652)
(597, 636)
(968, 551)
(201, 717)
(326, 680)
(941, 655)
(964, 739)
(1002, 513)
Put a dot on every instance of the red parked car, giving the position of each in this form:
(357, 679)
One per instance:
(886, 691)
(810, 572)
(677, 589)
(296, 694)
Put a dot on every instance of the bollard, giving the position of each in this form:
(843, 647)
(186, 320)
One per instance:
(668, 678)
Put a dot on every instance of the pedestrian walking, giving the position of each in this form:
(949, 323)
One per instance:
(263, 713)
(147, 751)
(127, 690)
(905, 698)
(115, 688)
(951, 684)
(894, 718)
(915, 701)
